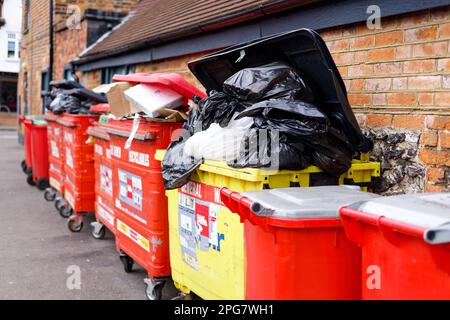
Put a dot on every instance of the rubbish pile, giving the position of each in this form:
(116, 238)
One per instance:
(264, 117)
(71, 97)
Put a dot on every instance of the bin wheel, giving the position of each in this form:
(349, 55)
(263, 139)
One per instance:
(154, 292)
(23, 164)
(58, 203)
(49, 194)
(29, 171)
(74, 225)
(65, 210)
(30, 180)
(127, 263)
(42, 184)
(100, 234)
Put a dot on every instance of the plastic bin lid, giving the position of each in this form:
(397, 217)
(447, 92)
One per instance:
(426, 210)
(308, 54)
(301, 203)
(39, 122)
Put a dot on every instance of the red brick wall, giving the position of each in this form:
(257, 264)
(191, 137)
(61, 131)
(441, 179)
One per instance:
(399, 77)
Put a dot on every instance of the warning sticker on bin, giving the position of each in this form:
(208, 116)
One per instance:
(54, 149)
(198, 208)
(69, 158)
(133, 235)
(130, 189)
(106, 179)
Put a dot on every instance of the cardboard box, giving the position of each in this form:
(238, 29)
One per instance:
(118, 103)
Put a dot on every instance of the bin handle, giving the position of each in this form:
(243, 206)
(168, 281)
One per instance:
(143, 137)
(67, 123)
(439, 235)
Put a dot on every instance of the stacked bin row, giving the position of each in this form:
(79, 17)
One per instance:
(249, 233)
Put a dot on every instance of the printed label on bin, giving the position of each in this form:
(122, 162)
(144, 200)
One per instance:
(133, 235)
(106, 179)
(108, 153)
(57, 131)
(54, 149)
(68, 137)
(116, 151)
(69, 199)
(142, 159)
(55, 184)
(98, 149)
(198, 209)
(49, 131)
(69, 159)
(105, 213)
(55, 168)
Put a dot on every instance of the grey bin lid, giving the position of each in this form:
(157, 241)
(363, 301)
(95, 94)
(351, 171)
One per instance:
(426, 210)
(305, 203)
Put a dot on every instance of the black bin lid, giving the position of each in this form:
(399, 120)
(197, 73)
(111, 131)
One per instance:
(308, 54)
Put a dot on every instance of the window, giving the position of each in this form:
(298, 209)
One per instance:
(108, 73)
(45, 86)
(68, 73)
(12, 46)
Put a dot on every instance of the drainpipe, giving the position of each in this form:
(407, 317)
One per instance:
(50, 69)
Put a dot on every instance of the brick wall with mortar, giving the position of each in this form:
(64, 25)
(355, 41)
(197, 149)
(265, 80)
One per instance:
(35, 46)
(398, 82)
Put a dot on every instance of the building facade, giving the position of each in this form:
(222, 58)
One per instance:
(10, 36)
(396, 69)
(54, 33)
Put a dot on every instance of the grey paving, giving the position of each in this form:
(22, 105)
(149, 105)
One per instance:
(37, 249)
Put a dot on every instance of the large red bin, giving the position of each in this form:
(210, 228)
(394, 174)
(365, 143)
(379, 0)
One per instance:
(56, 159)
(295, 244)
(39, 152)
(104, 203)
(27, 163)
(139, 197)
(79, 180)
(140, 203)
(405, 243)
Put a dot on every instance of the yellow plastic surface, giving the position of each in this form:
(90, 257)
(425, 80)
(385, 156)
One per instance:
(220, 274)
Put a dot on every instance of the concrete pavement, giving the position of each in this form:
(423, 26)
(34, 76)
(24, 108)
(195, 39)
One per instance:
(37, 250)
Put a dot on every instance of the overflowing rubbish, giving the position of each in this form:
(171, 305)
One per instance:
(70, 97)
(289, 130)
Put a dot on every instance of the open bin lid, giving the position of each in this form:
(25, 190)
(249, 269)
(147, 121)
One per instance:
(430, 211)
(304, 203)
(172, 81)
(308, 54)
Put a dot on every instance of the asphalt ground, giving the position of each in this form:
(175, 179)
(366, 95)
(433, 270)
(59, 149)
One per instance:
(41, 259)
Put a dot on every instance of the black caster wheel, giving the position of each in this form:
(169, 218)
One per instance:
(58, 203)
(28, 171)
(49, 194)
(42, 184)
(23, 164)
(74, 225)
(100, 234)
(127, 263)
(30, 180)
(65, 210)
(154, 291)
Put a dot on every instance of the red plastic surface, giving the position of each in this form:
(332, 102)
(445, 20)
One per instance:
(173, 81)
(139, 194)
(104, 204)
(100, 108)
(56, 152)
(79, 182)
(395, 255)
(27, 142)
(39, 150)
(296, 258)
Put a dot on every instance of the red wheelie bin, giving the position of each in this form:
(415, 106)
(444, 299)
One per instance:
(26, 164)
(39, 153)
(140, 203)
(56, 161)
(295, 244)
(104, 204)
(79, 180)
(405, 242)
